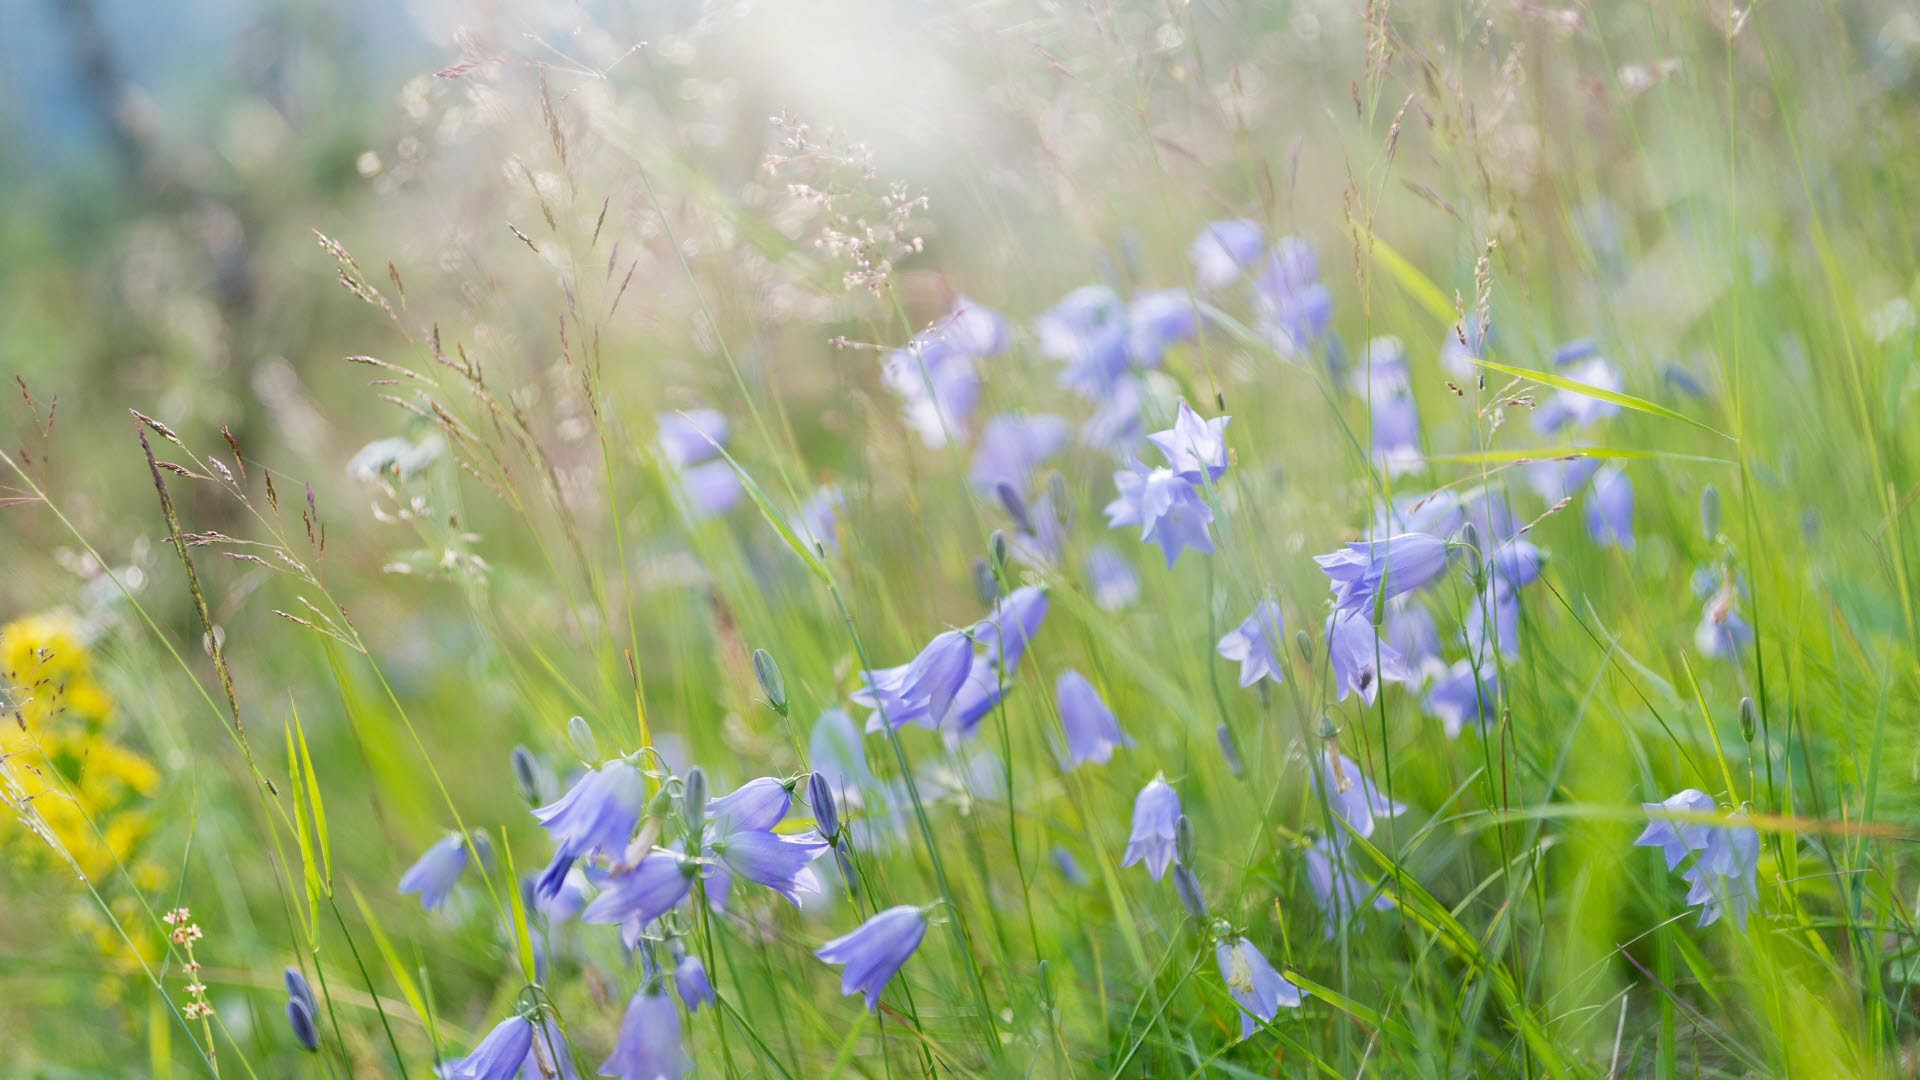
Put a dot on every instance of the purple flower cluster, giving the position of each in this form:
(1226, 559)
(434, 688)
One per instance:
(958, 678)
(1727, 853)
(1166, 503)
(937, 377)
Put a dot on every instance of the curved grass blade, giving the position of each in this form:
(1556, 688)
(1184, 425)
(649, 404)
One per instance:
(766, 510)
(1625, 401)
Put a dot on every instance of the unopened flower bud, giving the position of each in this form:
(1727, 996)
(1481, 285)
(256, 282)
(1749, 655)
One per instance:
(984, 587)
(772, 683)
(1746, 718)
(1224, 736)
(300, 1019)
(825, 814)
(1305, 644)
(1187, 888)
(693, 802)
(1183, 840)
(526, 776)
(581, 734)
(997, 549)
(1014, 504)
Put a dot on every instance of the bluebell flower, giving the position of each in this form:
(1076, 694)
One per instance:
(1116, 427)
(1155, 811)
(1165, 506)
(1158, 319)
(690, 981)
(834, 750)
(433, 875)
(757, 804)
(1015, 618)
(1382, 370)
(923, 687)
(1361, 661)
(979, 692)
(1291, 307)
(1722, 632)
(1337, 889)
(974, 329)
(297, 987)
(637, 896)
(648, 1046)
(1087, 330)
(1409, 630)
(1259, 990)
(1395, 432)
(874, 952)
(1676, 838)
(560, 899)
(1351, 797)
(1575, 351)
(548, 1057)
(712, 488)
(1254, 644)
(1572, 407)
(1486, 509)
(1224, 250)
(1092, 732)
(1459, 696)
(1370, 570)
(1111, 578)
(1515, 563)
(1195, 449)
(1465, 343)
(1069, 868)
(597, 815)
(1723, 876)
(1011, 446)
(499, 1055)
(1436, 513)
(777, 862)
(1560, 478)
(937, 385)
(688, 438)
(1609, 510)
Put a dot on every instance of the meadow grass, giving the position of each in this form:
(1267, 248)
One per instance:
(330, 667)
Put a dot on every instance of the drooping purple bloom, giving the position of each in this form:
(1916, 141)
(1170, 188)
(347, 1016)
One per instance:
(1011, 446)
(644, 893)
(1259, 990)
(1572, 407)
(1111, 579)
(648, 1047)
(688, 438)
(499, 1055)
(433, 875)
(937, 386)
(925, 686)
(1361, 661)
(1437, 513)
(690, 981)
(1516, 563)
(1337, 889)
(1195, 449)
(1459, 696)
(548, 1057)
(1382, 371)
(1291, 307)
(1486, 509)
(1723, 874)
(872, 953)
(1088, 331)
(597, 814)
(1409, 629)
(1561, 477)
(818, 522)
(1351, 797)
(1252, 645)
(1675, 838)
(1371, 570)
(1574, 351)
(1224, 250)
(1015, 618)
(1722, 632)
(1610, 510)
(1396, 435)
(777, 862)
(1092, 732)
(757, 804)
(1165, 506)
(974, 329)
(1156, 810)
(1158, 319)
(712, 488)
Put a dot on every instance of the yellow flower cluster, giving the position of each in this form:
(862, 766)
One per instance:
(90, 790)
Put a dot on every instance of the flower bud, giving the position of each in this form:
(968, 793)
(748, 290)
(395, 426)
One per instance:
(1014, 504)
(984, 587)
(300, 1019)
(1187, 887)
(825, 813)
(693, 803)
(1183, 840)
(1224, 735)
(1046, 984)
(772, 683)
(1057, 496)
(581, 734)
(1328, 729)
(526, 776)
(1710, 512)
(997, 549)
(846, 868)
(1305, 644)
(1746, 718)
